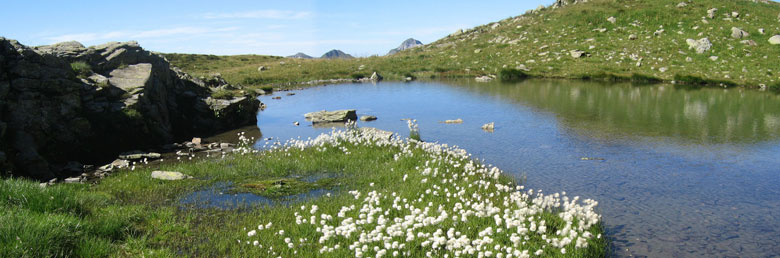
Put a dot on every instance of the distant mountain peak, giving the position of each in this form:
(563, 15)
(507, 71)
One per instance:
(301, 56)
(335, 54)
(407, 44)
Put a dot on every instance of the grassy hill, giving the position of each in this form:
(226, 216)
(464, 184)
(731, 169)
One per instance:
(646, 40)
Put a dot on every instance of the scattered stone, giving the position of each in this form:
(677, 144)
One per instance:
(382, 134)
(477, 51)
(612, 19)
(658, 32)
(701, 45)
(138, 155)
(375, 77)
(261, 68)
(296, 123)
(735, 14)
(714, 58)
(663, 69)
(456, 121)
(738, 33)
(483, 78)
(71, 180)
(577, 53)
(196, 140)
(774, 40)
(290, 94)
(368, 118)
(331, 116)
(711, 13)
(749, 42)
(169, 175)
(489, 127)
(632, 37)
(522, 67)
(682, 4)
(277, 97)
(689, 59)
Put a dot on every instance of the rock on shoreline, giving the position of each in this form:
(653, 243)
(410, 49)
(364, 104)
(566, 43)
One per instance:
(66, 102)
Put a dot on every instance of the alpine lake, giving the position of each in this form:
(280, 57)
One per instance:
(677, 171)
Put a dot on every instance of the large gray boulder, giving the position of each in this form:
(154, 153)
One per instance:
(331, 116)
(124, 98)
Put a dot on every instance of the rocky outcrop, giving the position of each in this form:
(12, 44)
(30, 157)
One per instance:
(407, 44)
(562, 3)
(66, 102)
(331, 116)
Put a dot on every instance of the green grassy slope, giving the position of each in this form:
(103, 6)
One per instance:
(542, 40)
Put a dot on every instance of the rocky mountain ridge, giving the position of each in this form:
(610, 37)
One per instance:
(300, 55)
(336, 54)
(66, 102)
(407, 44)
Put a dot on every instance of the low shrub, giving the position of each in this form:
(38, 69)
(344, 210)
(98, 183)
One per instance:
(223, 94)
(81, 69)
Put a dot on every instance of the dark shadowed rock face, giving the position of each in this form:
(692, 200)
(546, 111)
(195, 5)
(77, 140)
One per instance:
(407, 44)
(126, 98)
(336, 54)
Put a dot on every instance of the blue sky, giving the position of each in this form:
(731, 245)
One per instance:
(227, 27)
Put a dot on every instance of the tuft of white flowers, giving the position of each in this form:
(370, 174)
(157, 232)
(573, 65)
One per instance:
(464, 210)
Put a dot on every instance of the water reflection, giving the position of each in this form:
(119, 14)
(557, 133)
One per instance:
(613, 110)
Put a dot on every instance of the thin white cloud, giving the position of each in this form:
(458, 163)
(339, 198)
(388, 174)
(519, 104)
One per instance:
(261, 14)
(146, 34)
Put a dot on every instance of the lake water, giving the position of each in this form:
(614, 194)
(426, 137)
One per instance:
(677, 172)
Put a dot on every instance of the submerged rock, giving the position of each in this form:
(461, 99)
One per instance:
(367, 118)
(489, 127)
(456, 121)
(331, 116)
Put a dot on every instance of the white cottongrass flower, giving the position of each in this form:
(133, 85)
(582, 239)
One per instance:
(464, 209)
